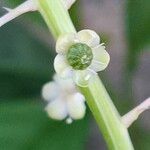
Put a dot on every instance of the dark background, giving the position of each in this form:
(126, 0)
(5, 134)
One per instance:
(26, 63)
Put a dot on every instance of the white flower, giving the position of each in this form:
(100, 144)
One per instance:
(64, 101)
(80, 55)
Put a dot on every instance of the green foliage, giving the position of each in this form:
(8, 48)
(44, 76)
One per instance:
(138, 35)
(25, 63)
(138, 29)
(25, 126)
(75, 15)
(140, 137)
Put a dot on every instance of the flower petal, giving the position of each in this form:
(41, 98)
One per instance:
(49, 91)
(101, 59)
(76, 106)
(82, 77)
(62, 67)
(57, 109)
(89, 37)
(67, 85)
(65, 41)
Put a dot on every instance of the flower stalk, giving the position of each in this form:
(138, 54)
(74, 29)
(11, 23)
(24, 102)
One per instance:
(25, 7)
(133, 115)
(106, 115)
(101, 105)
(56, 17)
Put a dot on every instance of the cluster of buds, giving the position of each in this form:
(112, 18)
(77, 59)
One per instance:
(64, 100)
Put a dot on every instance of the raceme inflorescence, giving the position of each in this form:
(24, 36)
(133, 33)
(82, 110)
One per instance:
(80, 55)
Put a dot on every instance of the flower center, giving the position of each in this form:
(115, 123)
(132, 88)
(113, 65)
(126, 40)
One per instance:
(79, 56)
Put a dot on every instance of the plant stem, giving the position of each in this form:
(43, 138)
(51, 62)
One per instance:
(104, 111)
(56, 17)
(106, 115)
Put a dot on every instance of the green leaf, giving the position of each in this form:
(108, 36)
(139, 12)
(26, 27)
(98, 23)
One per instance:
(140, 137)
(138, 29)
(25, 126)
(25, 63)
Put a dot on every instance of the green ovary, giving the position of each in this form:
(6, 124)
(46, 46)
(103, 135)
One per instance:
(79, 56)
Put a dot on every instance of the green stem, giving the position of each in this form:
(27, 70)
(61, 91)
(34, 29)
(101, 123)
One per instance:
(106, 115)
(104, 111)
(56, 17)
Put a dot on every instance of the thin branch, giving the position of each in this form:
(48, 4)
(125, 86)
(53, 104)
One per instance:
(133, 115)
(27, 6)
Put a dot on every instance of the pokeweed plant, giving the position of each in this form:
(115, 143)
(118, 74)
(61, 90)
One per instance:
(80, 57)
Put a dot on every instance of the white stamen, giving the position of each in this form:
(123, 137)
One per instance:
(98, 62)
(29, 5)
(133, 115)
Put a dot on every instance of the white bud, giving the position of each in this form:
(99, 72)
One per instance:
(64, 101)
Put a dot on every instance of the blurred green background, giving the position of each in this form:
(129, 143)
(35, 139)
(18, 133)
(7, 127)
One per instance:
(26, 63)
